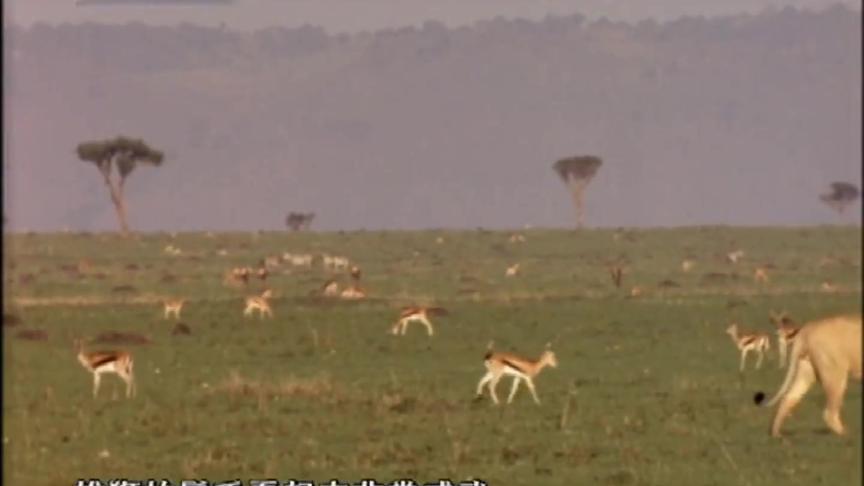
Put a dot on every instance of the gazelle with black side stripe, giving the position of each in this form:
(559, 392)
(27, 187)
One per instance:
(747, 342)
(173, 306)
(416, 314)
(259, 303)
(499, 364)
(101, 362)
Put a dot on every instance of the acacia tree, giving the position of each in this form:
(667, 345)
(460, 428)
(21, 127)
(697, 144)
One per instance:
(124, 154)
(841, 196)
(577, 173)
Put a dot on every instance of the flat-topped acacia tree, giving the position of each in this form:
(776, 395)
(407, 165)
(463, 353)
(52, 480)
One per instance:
(123, 154)
(577, 173)
(841, 196)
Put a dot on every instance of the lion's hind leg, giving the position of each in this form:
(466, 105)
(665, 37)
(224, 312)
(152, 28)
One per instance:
(835, 388)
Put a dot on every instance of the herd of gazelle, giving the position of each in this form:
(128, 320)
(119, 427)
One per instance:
(827, 350)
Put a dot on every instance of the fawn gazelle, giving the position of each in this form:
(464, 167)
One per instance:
(173, 306)
(513, 270)
(418, 314)
(353, 293)
(786, 332)
(259, 303)
(101, 362)
(520, 368)
(747, 342)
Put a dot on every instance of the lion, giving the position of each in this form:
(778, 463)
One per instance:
(828, 350)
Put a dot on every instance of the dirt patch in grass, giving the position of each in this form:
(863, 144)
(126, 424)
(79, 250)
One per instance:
(320, 387)
(181, 329)
(32, 335)
(10, 319)
(115, 337)
(124, 289)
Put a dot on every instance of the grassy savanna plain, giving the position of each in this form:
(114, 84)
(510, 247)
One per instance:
(647, 390)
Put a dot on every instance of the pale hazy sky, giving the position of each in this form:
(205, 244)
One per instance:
(358, 15)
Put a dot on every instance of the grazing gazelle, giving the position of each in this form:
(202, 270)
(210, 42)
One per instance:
(520, 368)
(330, 288)
(786, 332)
(260, 303)
(99, 362)
(241, 274)
(687, 265)
(733, 256)
(749, 342)
(353, 292)
(173, 306)
(760, 275)
(513, 271)
(419, 314)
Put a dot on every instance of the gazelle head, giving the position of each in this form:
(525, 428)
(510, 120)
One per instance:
(267, 294)
(732, 330)
(548, 357)
(777, 318)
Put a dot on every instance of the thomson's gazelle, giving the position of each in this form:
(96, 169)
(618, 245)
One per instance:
(174, 306)
(99, 362)
(513, 271)
(786, 332)
(259, 303)
(758, 342)
(419, 314)
(353, 293)
(520, 368)
(760, 275)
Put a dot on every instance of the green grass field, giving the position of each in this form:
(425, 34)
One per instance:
(647, 390)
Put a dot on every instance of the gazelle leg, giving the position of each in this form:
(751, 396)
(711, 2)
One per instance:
(530, 384)
(428, 325)
(483, 381)
(492, 387)
(96, 379)
(516, 381)
(130, 385)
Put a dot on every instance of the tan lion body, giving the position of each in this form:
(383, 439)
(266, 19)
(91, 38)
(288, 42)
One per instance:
(828, 350)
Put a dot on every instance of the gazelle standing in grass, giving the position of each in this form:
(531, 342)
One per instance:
(418, 314)
(747, 342)
(687, 265)
(786, 332)
(259, 303)
(330, 288)
(520, 368)
(760, 275)
(513, 270)
(173, 306)
(101, 362)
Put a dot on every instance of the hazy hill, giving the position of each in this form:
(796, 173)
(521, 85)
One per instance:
(736, 120)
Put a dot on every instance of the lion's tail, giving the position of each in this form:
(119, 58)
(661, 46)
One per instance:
(794, 358)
